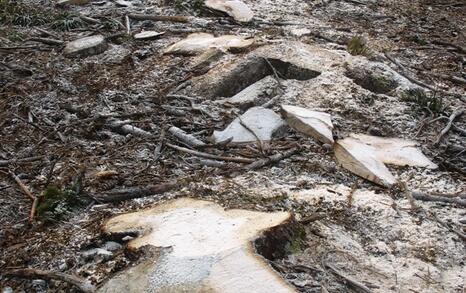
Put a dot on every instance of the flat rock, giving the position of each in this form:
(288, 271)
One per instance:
(123, 3)
(199, 42)
(86, 46)
(206, 249)
(265, 123)
(148, 35)
(256, 94)
(315, 124)
(234, 8)
(365, 156)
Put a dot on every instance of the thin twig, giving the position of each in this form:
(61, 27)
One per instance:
(81, 284)
(444, 131)
(210, 156)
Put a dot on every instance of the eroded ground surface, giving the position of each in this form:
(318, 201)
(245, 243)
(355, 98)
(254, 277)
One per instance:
(56, 110)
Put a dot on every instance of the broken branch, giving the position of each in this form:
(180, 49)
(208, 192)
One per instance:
(210, 156)
(158, 17)
(271, 159)
(81, 284)
(444, 131)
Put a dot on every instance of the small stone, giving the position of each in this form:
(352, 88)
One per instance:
(147, 35)
(123, 3)
(127, 238)
(311, 123)
(7, 290)
(256, 94)
(112, 246)
(96, 252)
(265, 123)
(86, 46)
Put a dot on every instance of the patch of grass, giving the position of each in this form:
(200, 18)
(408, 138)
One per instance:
(194, 5)
(357, 46)
(423, 101)
(56, 203)
(14, 12)
(67, 22)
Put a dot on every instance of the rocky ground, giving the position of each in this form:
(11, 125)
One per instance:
(384, 68)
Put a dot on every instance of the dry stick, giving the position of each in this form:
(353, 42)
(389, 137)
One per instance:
(404, 71)
(47, 41)
(185, 137)
(118, 195)
(429, 197)
(271, 160)
(453, 116)
(21, 185)
(81, 284)
(128, 25)
(442, 223)
(18, 161)
(259, 141)
(352, 282)
(158, 17)
(158, 149)
(210, 156)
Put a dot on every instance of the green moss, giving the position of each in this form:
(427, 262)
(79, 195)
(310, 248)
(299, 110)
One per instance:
(357, 46)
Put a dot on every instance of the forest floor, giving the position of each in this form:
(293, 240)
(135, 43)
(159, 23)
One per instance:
(59, 135)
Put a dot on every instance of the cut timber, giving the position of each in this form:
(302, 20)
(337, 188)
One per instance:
(365, 156)
(234, 8)
(205, 249)
(396, 151)
(86, 46)
(200, 42)
(311, 123)
(147, 35)
(263, 124)
(361, 159)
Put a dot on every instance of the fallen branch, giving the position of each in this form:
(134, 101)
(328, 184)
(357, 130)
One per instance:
(122, 194)
(271, 159)
(81, 284)
(185, 138)
(21, 185)
(458, 200)
(18, 161)
(444, 131)
(158, 17)
(351, 282)
(47, 41)
(210, 156)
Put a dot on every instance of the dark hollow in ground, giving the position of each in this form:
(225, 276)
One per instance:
(254, 69)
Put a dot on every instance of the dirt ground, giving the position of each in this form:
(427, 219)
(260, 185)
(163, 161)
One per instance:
(56, 137)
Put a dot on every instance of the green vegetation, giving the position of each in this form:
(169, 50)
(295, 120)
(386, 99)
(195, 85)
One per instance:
(194, 5)
(56, 203)
(422, 101)
(17, 13)
(357, 46)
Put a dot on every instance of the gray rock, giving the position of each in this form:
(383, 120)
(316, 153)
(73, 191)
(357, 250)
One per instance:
(86, 46)
(256, 94)
(112, 246)
(7, 290)
(96, 252)
(265, 123)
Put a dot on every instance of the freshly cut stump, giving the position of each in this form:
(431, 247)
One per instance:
(234, 8)
(206, 249)
(86, 46)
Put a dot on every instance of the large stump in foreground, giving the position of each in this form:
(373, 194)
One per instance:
(206, 249)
